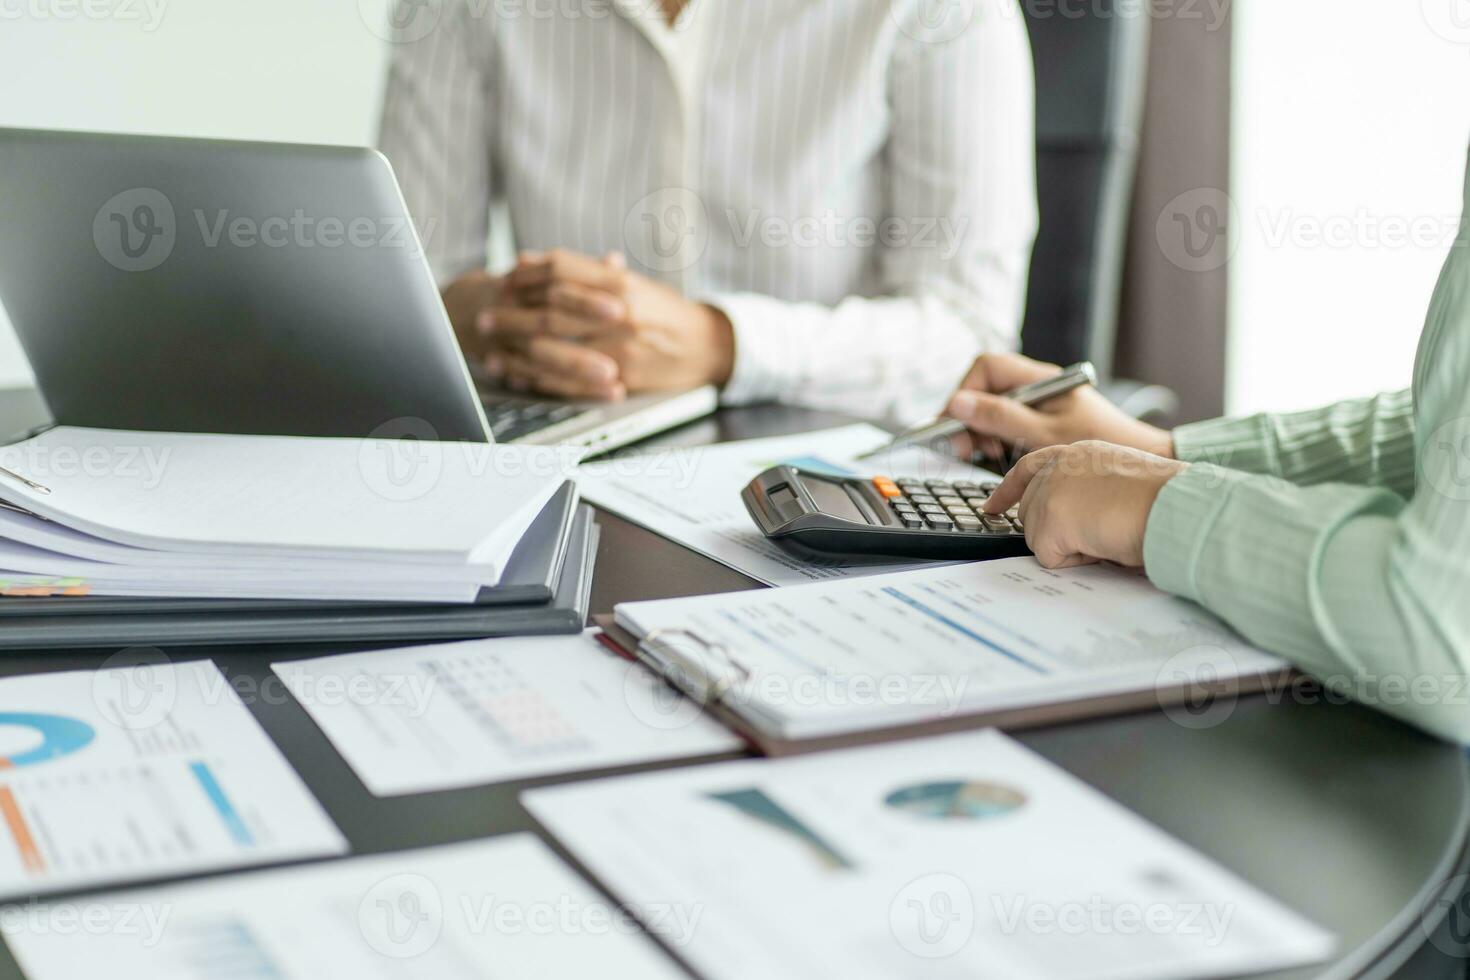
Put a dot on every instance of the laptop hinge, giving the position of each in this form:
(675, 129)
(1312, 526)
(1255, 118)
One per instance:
(30, 433)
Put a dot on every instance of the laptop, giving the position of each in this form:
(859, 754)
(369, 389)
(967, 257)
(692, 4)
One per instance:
(217, 286)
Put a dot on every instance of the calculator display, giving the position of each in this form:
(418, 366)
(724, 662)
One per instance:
(832, 498)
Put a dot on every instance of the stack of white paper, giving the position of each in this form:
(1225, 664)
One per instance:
(111, 512)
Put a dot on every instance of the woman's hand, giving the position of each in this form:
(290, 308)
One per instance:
(1077, 415)
(582, 326)
(1085, 502)
(477, 299)
(465, 299)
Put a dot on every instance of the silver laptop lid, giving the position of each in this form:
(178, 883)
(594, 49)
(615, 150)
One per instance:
(210, 286)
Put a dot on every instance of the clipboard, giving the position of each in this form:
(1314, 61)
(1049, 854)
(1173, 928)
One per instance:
(692, 677)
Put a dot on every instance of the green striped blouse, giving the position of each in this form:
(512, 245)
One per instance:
(1340, 538)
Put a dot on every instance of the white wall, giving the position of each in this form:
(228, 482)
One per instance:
(1352, 117)
(294, 70)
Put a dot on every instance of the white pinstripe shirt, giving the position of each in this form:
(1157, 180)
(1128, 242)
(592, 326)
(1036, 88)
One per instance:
(851, 181)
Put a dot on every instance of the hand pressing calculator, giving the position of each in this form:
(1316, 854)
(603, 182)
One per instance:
(882, 516)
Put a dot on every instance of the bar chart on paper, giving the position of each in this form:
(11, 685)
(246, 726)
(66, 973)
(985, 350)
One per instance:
(462, 714)
(141, 772)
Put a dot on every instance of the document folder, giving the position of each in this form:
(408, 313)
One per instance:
(531, 576)
(705, 680)
(546, 590)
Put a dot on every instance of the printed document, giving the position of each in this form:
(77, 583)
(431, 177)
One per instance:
(960, 856)
(692, 496)
(465, 714)
(504, 907)
(140, 772)
(933, 643)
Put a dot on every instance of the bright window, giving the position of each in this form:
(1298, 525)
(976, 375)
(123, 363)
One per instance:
(1352, 122)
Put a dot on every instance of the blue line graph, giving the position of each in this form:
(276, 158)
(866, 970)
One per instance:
(960, 628)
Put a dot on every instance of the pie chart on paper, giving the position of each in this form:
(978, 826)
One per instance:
(28, 739)
(956, 800)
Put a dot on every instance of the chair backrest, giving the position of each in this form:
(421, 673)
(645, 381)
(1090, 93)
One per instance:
(1091, 68)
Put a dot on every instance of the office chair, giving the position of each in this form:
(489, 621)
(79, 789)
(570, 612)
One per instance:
(1091, 69)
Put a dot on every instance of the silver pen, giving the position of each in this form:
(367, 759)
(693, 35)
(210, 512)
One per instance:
(1031, 395)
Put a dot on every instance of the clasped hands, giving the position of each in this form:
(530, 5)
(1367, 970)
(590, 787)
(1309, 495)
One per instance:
(572, 326)
(1088, 484)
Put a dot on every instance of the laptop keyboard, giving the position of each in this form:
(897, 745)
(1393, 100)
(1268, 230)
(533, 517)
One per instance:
(511, 419)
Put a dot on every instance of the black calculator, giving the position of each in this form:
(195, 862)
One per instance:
(910, 518)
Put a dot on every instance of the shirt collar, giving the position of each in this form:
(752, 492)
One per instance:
(648, 17)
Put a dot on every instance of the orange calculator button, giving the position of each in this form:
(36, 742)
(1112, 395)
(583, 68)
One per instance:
(887, 487)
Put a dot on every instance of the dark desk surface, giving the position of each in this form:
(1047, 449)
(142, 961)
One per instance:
(1351, 818)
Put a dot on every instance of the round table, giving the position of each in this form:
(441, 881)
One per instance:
(1351, 818)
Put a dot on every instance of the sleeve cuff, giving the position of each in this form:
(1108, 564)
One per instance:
(1240, 444)
(1182, 519)
(1253, 550)
(764, 369)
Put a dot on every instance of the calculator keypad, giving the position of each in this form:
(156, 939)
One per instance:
(942, 505)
